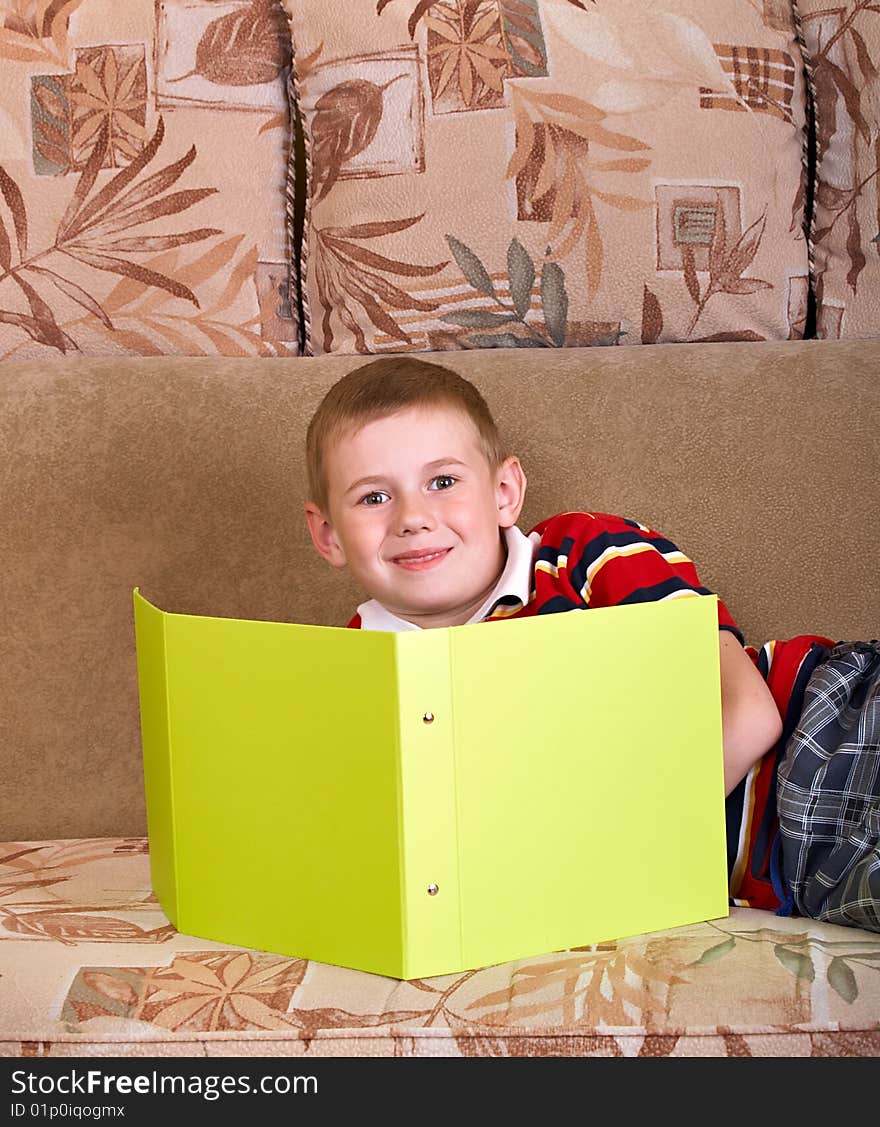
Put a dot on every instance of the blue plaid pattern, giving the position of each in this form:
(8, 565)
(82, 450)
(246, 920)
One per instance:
(828, 791)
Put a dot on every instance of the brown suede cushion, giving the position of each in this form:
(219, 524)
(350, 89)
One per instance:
(184, 477)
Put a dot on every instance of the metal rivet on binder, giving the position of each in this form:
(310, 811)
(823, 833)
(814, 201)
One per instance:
(433, 889)
(428, 718)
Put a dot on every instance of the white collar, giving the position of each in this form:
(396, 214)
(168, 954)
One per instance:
(515, 580)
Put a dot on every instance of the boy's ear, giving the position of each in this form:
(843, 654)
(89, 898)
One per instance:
(510, 491)
(324, 536)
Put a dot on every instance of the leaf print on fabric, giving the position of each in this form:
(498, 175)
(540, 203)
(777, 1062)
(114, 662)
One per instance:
(842, 979)
(799, 964)
(58, 857)
(844, 76)
(241, 991)
(523, 38)
(349, 274)
(519, 332)
(38, 886)
(97, 230)
(555, 169)
(652, 317)
(88, 224)
(109, 86)
(344, 123)
(36, 30)
(509, 304)
(420, 10)
(70, 928)
(366, 120)
(726, 265)
(628, 74)
(52, 124)
(231, 990)
(424, 7)
(27, 869)
(602, 987)
(521, 273)
(472, 268)
(15, 202)
(467, 61)
(802, 953)
(716, 951)
(246, 47)
(554, 301)
(474, 45)
(200, 991)
(652, 322)
(314, 1021)
(149, 321)
(40, 324)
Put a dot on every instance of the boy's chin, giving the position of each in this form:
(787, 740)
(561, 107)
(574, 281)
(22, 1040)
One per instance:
(421, 609)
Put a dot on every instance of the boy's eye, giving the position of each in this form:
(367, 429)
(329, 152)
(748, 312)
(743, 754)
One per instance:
(443, 481)
(374, 498)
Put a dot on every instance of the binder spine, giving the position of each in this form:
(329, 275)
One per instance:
(157, 758)
(430, 900)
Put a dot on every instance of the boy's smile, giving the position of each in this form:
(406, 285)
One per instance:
(419, 561)
(416, 512)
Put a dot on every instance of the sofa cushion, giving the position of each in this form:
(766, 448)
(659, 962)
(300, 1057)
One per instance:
(842, 49)
(550, 173)
(144, 158)
(92, 967)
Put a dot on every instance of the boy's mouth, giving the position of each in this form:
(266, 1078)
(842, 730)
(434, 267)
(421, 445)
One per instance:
(421, 560)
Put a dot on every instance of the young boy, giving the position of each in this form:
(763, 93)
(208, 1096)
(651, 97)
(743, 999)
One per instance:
(411, 488)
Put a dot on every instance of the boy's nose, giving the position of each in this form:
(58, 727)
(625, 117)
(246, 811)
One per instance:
(415, 515)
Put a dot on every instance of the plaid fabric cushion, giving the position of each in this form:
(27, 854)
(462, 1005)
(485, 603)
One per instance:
(828, 791)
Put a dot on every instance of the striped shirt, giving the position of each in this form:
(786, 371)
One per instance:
(754, 861)
(575, 561)
(582, 560)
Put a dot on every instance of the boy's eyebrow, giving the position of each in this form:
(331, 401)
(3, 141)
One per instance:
(374, 478)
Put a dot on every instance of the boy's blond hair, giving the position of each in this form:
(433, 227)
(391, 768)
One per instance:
(382, 388)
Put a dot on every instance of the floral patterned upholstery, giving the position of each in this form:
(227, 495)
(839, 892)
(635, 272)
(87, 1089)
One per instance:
(842, 52)
(89, 965)
(550, 173)
(134, 141)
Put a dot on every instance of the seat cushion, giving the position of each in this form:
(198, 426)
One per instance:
(89, 965)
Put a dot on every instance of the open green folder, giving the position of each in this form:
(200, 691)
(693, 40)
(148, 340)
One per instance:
(432, 801)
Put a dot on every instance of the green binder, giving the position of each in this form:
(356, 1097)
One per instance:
(426, 802)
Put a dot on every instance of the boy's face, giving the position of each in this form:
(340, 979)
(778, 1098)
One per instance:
(415, 511)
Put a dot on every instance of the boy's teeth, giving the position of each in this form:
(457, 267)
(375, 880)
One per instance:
(421, 556)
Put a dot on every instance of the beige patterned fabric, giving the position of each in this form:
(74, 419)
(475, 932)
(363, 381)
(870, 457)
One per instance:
(89, 965)
(842, 43)
(143, 154)
(548, 173)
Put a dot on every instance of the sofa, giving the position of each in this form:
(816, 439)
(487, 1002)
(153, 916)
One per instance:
(648, 236)
(183, 476)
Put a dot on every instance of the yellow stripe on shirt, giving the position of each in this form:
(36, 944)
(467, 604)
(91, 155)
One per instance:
(615, 553)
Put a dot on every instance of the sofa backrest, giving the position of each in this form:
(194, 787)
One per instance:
(183, 476)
